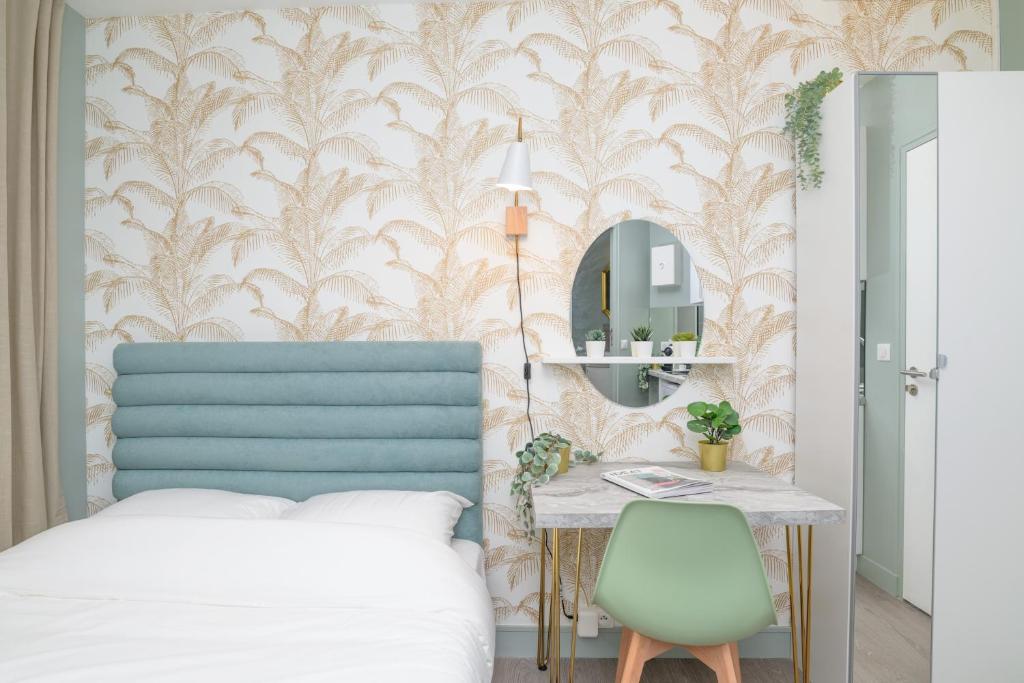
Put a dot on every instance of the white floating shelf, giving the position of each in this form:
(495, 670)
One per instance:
(640, 360)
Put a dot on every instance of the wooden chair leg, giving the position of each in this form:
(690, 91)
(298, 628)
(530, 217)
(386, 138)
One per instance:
(627, 635)
(734, 657)
(639, 649)
(723, 659)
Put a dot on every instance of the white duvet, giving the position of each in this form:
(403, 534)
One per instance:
(170, 598)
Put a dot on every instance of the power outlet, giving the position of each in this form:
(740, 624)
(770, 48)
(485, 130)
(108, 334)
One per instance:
(604, 620)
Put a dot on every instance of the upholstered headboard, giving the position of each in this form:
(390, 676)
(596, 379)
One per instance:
(298, 419)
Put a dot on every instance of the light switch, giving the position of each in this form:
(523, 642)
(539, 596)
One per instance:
(663, 265)
(884, 352)
(624, 344)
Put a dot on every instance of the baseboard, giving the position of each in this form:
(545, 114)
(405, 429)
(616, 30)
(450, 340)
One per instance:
(879, 575)
(519, 642)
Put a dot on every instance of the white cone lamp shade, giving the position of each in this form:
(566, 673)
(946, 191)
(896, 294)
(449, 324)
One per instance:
(515, 173)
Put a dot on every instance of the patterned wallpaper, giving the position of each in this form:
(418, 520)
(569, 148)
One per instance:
(328, 174)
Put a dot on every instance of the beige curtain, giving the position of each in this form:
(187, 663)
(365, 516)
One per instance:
(30, 495)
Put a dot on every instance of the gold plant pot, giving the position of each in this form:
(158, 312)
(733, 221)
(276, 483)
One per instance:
(563, 463)
(713, 456)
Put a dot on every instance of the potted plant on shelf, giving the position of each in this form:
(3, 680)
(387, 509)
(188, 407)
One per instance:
(642, 346)
(595, 343)
(718, 423)
(684, 345)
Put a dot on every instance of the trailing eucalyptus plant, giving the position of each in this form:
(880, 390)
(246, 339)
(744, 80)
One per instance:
(538, 462)
(643, 379)
(803, 123)
(585, 457)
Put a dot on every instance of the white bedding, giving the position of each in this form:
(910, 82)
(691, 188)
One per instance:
(472, 554)
(162, 598)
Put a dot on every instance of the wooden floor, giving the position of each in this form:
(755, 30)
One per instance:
(656, 671)
(892, 639)
(891, 645)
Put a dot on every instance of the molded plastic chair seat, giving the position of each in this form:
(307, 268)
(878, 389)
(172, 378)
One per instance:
(686, 574)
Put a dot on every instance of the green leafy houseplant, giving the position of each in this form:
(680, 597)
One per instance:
(584, 457)
(642, 345)
(642, 333)
(539, 460)
(643, 377)
(594, 341)
(803, 123)
(718, 424)
(684, 344)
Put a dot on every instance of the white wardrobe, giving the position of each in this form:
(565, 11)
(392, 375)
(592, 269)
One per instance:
(977, 601)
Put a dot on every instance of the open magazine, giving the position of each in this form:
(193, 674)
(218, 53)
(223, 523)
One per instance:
(656, 482)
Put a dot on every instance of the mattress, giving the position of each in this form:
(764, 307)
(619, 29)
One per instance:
(170, 598)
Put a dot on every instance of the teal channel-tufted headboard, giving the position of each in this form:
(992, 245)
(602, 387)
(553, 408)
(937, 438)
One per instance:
(298, 419)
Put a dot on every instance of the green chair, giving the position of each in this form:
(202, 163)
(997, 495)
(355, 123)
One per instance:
(686, 574)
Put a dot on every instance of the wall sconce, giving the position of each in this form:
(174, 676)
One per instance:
(515, 177)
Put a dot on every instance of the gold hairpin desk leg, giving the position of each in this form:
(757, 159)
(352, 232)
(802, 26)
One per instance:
(542, 653)
(792, 603)
(555, 618)
(800, 600)
(575, 606)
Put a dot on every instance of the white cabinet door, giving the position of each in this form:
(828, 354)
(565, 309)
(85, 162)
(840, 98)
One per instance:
(978, 600)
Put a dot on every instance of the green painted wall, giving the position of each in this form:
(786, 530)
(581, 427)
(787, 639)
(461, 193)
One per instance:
(71, 261)
(914, 98)
(1011, 35)
(631, 300)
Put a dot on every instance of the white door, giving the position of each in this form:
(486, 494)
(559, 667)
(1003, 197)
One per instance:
(978, 599)
(921, 228)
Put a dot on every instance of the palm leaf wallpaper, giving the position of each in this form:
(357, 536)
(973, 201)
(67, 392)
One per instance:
(328, 174)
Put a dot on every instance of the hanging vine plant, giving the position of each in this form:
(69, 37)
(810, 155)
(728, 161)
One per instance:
(803, 123)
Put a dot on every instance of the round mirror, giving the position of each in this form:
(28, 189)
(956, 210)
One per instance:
(636, 297)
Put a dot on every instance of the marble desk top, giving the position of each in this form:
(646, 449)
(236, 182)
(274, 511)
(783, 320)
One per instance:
(581, 499)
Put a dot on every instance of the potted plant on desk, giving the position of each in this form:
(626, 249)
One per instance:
(718, 423)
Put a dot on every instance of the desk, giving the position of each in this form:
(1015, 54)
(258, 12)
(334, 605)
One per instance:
(580, 499)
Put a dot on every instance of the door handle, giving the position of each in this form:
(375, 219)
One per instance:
(913, 372)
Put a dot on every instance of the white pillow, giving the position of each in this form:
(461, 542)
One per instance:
(431, 513)
(200, 503)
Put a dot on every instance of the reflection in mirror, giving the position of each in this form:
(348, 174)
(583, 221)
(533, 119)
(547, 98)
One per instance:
(637, 274)
(898, 232)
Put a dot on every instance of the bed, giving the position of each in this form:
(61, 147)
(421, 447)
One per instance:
(152, 597)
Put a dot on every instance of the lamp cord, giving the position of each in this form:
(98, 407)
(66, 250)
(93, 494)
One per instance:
(522, 336)
(526, 377)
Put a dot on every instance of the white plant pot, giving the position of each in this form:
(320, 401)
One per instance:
(684, 349)
(595, 349)
(642, 349)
